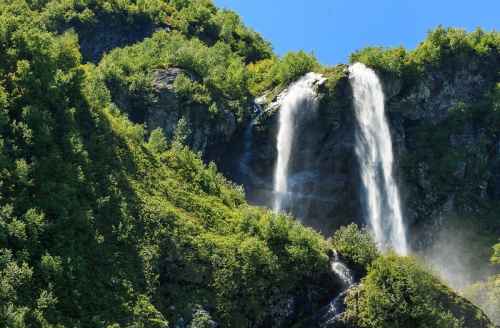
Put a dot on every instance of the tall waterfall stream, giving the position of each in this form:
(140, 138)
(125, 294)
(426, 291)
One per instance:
(375, 155)
(299, 97)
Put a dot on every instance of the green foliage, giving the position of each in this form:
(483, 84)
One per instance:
(444, 49)
(223, 75)
(146, 315)
(443, 46)
(495, 258)
(397, 292)
(244, 41)
(261, 76)
(294, 65)
(202, 319)
(198, 19)
(486, 294)
(58, 13)
(99, 228)
(272, 73)
(355, 245)
(157, 141)
(181, 133)
(190, 91)
(202, 20)
(391, 60)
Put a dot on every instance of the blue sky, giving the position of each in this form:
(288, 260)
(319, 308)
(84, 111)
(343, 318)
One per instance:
(333, 29)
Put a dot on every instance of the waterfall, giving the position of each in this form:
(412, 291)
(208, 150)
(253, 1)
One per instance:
(342, 271)
(332, 313)
(375, 155)
(300, 96)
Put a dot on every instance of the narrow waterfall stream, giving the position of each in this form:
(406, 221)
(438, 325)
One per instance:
(299, 97)
(337, 306)
(330, 315)
(375, 155)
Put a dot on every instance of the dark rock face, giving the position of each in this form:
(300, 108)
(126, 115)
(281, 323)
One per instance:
(323, 162)
(163, 109)
(447, 159)
(108, 33)
(447, 162)
(208, 135)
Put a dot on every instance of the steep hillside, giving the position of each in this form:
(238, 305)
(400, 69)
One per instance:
(99, 228)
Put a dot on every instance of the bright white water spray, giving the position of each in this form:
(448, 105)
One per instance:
(374, 152)
(337, 305)
(342, 271)
(300, 96)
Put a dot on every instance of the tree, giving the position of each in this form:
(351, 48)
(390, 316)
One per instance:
(157, 141)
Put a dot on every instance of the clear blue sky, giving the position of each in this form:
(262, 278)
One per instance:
(333, 29)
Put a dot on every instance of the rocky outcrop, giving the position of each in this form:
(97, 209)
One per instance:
(162, 107)
(107, 32)
(208, 134)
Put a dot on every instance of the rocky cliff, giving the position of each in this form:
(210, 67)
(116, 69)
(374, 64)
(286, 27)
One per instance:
(446, 138)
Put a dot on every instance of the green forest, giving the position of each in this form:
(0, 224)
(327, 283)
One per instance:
(108, 221)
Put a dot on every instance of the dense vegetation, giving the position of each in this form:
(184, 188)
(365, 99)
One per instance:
(100, 228)
(398, 292)
(104, 223)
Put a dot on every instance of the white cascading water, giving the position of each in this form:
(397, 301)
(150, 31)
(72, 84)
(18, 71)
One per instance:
(342, 271)
(374, 152)
(300, 95)
(337, 305)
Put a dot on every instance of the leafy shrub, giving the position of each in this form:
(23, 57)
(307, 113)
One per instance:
(261, 76)
(157, 141)
(355, 245)
(390, 60)
(294, 65)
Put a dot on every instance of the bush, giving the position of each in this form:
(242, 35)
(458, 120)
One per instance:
(355, 245)
(294, 65)
(386, 60)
